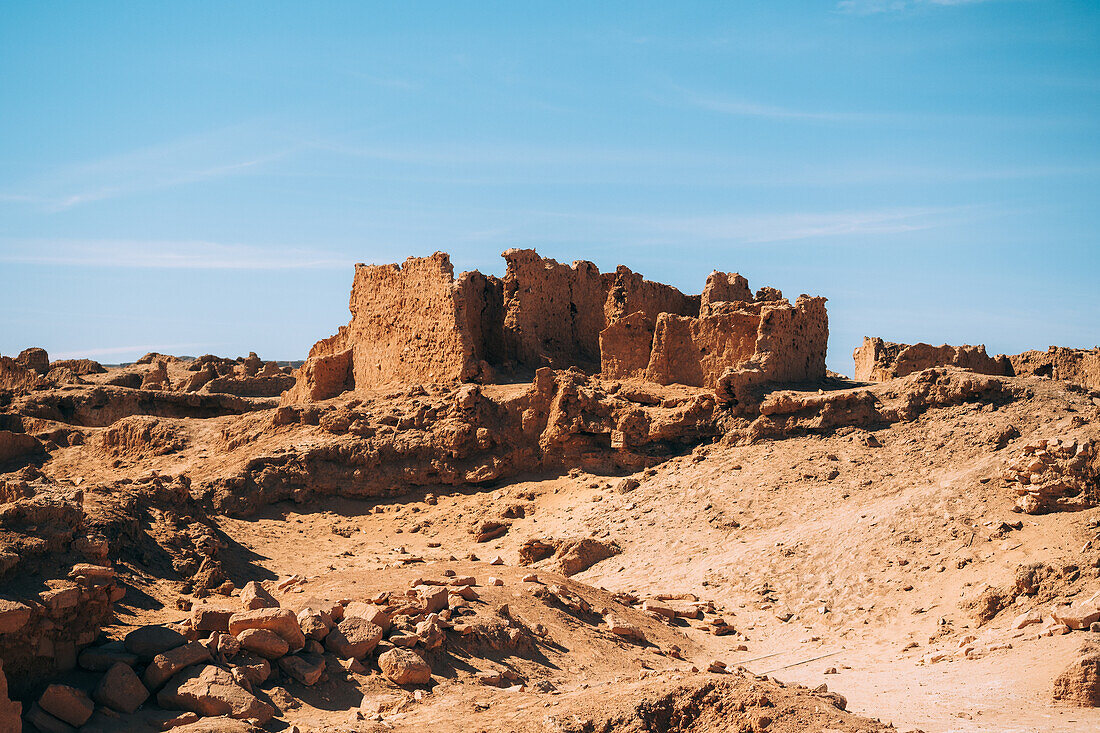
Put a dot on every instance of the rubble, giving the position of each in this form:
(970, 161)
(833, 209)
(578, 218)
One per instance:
(1055, 474)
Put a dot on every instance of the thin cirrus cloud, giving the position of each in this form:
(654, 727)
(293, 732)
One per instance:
(746, 108)
(532, 227)
(872, 7)
(196, 255)
(231, 151)
(795, 226)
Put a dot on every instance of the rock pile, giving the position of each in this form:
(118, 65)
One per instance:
(229, 659)
(1054, 474)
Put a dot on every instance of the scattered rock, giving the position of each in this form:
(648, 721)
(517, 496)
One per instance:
(210, 691)
(67, 704)
(263, 642)
(120, 689)
(404, 667)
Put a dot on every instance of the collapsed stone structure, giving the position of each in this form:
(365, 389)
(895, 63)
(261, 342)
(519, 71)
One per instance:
(877, 360)
(1081, 366)
(416, 323)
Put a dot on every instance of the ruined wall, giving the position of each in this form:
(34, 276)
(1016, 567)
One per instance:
(553, 312)
(625, 347)
(877, 360)
(18, 377)
(723, 287)
(405, 326)
(628, 292)
(1081, 366)
(416, 324)
(408, 325)
(481, 312)
(784, 343)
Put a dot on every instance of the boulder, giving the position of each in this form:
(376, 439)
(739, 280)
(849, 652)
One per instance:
(377, 615)
(67, 704)
(255, 669)
(622, 628)
(45, 723)
(13, 615)
(149, 641)
(575, 556)
(254, 596)
(120, 689)
(305, 667)
(263, 642)
(210, 618)
(404, 667)
(171, 662)
(102, 658)
(353, 638)
(314, 624)
(280, 620)
(1077, 615)
(210, 691)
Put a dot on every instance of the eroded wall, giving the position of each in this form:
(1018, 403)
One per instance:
(1081, 366)
(877, 360)
(415, 323)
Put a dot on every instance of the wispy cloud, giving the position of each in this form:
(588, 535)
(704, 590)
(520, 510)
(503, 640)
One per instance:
(230, 151)
(530, 227)
(871, 7)
(196, 255)
(748, 108)
(788, 227)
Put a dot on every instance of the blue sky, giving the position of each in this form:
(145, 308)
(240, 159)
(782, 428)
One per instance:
(200, 177)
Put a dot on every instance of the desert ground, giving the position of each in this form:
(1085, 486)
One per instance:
(182, 546)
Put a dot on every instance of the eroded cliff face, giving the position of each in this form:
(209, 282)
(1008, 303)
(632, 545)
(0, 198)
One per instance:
(416, 324)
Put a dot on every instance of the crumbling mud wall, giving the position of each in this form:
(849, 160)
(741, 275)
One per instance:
(1081, 366)
(417, 324)
(52, 604)
(553, 312)
(877, 360)
(409, 315)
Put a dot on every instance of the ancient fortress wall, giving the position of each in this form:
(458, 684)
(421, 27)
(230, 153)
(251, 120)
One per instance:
(877, 360)
(1081, 366)
(415, 323)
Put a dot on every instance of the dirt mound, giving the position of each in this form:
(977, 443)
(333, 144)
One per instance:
(1079, 684)
(139, 436)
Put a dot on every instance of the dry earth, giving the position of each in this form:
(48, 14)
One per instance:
(860, 540)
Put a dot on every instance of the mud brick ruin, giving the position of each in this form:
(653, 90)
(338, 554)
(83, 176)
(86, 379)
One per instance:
(416, 323)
